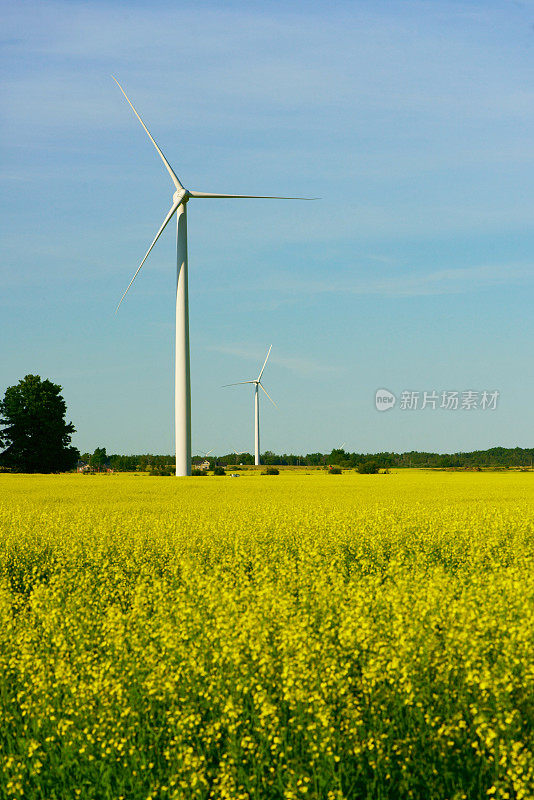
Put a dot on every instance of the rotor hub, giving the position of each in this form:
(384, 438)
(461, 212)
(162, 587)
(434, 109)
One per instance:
(181, 196)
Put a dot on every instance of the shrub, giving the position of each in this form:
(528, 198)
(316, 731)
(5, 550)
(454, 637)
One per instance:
(271, 471)
(198, 472)
(334, 471)
(160, 471)
(219, 471)
(369, 468)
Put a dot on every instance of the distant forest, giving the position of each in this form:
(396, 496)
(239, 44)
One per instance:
(495, 457)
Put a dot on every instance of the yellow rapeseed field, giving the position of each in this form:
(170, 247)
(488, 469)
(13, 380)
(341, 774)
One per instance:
(291, 636)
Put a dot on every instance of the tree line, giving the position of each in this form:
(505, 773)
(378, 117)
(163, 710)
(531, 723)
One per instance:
(37, 438)
(494, 457)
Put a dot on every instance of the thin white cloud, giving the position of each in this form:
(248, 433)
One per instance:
(304, 366)
(359, 55)
(413, 284)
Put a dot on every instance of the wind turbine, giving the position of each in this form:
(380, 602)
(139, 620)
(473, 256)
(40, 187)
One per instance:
(257, 383)
(240, 453)
(206, 453)
(182, 397)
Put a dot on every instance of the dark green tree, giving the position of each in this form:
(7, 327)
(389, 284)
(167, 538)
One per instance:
(34, 433)
(99, 458)
(368, 468)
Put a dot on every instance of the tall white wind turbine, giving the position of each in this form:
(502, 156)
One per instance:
(257, 383)
(182, 397)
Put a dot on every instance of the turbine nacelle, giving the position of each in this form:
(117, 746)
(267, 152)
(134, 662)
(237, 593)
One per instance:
(180, 196)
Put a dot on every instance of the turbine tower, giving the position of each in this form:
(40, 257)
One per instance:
(257, 383)
(182, 396)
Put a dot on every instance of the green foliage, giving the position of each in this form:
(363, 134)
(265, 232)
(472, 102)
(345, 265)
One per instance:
(271, 471)
(161, 471)
(494, 458)
(219, 471)
(368, 468)
(99, 459)
(198, 472)
(35, 435)
(334, 471)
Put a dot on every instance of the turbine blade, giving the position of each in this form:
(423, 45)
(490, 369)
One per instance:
(174, 177)
(158, 234)
(264, 363)
(239, 383)
(268, 395)
(248, 196)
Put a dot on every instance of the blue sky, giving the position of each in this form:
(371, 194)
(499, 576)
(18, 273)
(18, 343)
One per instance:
(413, 121)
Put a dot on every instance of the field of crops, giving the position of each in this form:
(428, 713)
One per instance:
(319, 636)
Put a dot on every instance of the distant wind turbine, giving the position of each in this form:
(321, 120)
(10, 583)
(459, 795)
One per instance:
(240, 453)
(257, 383)
(182, 397)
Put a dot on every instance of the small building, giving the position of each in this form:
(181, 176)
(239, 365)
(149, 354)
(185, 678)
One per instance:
(204, 465)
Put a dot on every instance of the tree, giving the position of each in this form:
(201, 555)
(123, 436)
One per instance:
(35, 435)
(99, 458)
(271, 471)
(368, 468)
